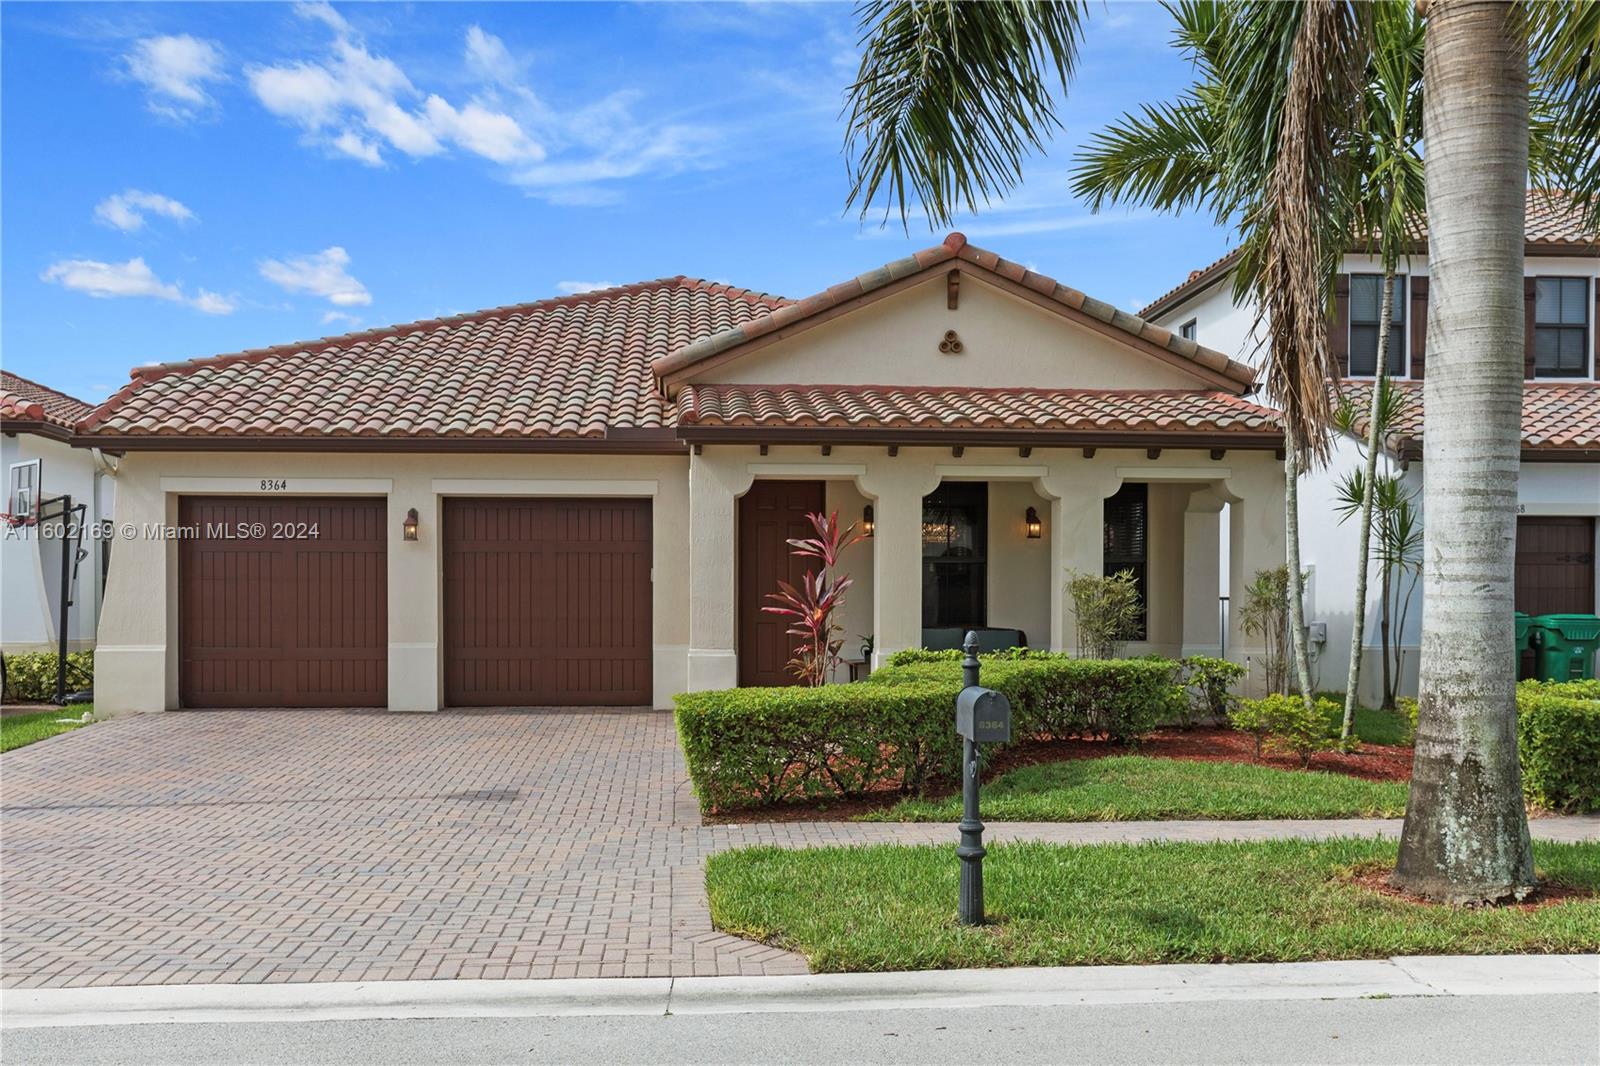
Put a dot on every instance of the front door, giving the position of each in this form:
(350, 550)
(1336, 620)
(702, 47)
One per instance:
(1555, 565)
(770, 514)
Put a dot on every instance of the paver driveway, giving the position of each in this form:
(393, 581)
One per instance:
(328, 845)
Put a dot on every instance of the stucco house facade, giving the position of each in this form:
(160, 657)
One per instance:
(584, 500)
(41, 463)
(1559, 480)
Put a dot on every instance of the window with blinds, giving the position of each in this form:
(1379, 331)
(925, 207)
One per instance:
(1561, 328)
(1127, 539)
(1366, 309)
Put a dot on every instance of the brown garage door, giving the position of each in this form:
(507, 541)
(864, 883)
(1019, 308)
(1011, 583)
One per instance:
(276, 620)
(1555, 565)
(546, 602)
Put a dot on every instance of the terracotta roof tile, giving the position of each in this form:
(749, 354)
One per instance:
(28, 401)
(1551, 219)
(569, 367)
(933, 407)
(955, 247)
(1556, 415)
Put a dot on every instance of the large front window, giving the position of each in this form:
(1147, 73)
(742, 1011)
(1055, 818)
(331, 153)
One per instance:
(1127, 542)
(1561, 328)
(955, 552)
(1366, 312)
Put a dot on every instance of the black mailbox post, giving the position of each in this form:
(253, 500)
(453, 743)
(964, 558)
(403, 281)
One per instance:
(983, 716)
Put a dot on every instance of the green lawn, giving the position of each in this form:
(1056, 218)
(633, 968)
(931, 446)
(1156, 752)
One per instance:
(20, 729)
(1128, 787)
(893, 908)
(1372, 725)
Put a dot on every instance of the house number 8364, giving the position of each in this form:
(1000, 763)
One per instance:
(274, 484)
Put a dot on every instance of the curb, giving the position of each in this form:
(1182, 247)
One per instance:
(1449, 975)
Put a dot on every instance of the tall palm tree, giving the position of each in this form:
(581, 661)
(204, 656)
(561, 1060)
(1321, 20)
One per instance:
(951, 98)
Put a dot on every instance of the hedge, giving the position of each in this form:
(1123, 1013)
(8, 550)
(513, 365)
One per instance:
(31, 676)
(760, 746)
(1558, 738)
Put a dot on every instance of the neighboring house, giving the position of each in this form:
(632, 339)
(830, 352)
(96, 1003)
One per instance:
(1559, 482)
(40, 463)
(585, 500)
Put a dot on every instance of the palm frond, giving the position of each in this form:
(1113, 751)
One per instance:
(1564, 61)
(952, 97)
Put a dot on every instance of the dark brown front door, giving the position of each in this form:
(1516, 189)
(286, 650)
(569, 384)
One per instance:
(769, 515)
(1555, 565)
(547, 602)
(283, 602)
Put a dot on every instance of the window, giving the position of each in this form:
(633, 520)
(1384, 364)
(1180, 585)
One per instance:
(1189, 329)
(1366, 307)
(1127, 542)
(23, 499)
(1561, 328)
(955, 546)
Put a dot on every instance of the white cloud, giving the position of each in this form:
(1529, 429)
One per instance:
(322, 274)
(126, 210)
(572, 288)
(330, 318)
(133, 278)
(175, 70)
(357, 103)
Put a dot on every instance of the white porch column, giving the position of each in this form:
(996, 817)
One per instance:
(714, 488)
(1256, 541)
(897, 487)
(1202, 546)
(1077, 489)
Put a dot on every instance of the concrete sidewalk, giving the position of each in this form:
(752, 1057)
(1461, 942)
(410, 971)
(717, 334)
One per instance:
(1460, 975)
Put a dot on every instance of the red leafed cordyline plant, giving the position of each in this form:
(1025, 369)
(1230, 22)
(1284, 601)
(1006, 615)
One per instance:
(810, 607)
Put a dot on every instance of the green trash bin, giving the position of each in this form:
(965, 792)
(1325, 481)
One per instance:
(1524, 652)
(1564, 646)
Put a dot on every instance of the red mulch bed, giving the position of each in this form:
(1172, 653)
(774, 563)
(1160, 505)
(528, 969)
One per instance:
(1375, 878)
(1374, 762)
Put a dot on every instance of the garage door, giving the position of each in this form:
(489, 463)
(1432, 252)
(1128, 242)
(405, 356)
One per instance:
(547, 602)
(283, 602)
(1555, 565)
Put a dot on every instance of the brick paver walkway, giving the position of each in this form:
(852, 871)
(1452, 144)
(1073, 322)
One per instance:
(272, 846)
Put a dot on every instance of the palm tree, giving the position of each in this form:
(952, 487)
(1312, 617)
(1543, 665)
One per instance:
(1171, 157)
(951, 98)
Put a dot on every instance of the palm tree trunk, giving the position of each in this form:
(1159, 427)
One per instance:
(1385, 633)
(1465, 838)
(1291, 522)
(1364, 539)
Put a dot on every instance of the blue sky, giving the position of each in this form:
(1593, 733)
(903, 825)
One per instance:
(183, 180)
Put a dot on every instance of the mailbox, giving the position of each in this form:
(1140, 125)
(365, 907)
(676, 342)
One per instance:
(983, 715)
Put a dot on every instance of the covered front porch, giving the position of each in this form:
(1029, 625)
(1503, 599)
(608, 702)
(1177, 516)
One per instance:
(979, 535)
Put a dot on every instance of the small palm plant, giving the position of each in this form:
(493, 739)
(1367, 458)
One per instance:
(810, 607)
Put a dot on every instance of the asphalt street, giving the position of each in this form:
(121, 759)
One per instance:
(1453, 1030)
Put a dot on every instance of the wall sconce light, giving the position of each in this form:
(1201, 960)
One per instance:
(1035, 527)
(867, 524)
(408, 528)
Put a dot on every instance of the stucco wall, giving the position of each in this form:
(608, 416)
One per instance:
(1006, 341)
(138, 657)
(30, 562)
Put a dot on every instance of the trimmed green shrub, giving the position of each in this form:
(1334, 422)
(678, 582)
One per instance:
(1055, 696)
(1284, 722)
(750, 747)
(1208, 682)
(913, 656)
(31, 676)
(1558, 738)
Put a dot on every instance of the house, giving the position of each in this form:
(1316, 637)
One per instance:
(584, 500)
(41, 465)
(1559, 481)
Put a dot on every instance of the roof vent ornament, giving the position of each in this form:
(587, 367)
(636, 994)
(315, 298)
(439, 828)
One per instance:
(951, 345)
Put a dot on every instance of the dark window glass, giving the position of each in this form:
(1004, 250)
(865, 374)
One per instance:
(1189, 330)
(1366, 308)
(1561, 328)
(1127, 540)
(955, 552)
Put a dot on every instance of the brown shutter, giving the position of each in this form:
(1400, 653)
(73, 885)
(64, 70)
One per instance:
(1530, 293)
(1594, 330)
(1419, 327)
(1339, 328)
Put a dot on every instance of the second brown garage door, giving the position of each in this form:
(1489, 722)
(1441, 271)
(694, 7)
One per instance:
(546, 602)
